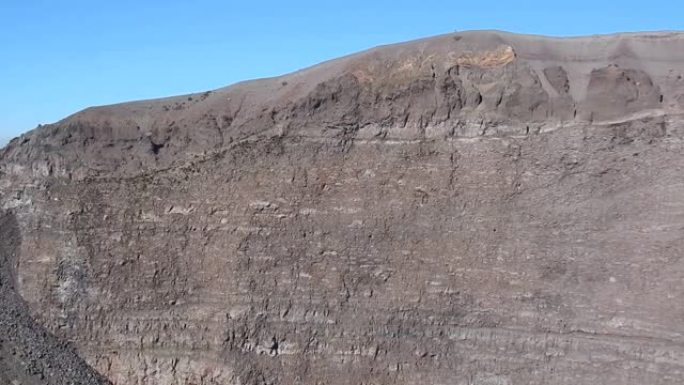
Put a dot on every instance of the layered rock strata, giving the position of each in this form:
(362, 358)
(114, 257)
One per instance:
(475, 208)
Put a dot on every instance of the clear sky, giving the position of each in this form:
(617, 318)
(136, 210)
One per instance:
(59, 56)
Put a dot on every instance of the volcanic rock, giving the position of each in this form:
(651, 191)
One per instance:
(473, 208)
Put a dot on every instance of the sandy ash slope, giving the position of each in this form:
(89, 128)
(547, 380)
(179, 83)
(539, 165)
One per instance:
(473, 208)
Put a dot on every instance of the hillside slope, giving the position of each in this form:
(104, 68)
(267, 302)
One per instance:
(473, 208)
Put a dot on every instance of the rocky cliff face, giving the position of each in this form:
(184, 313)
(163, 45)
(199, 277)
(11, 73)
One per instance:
(29, 354)
(475, 208)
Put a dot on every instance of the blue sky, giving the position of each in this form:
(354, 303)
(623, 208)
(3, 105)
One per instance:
(57, 57)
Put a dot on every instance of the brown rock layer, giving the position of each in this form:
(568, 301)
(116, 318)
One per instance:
(475, 208)
(29, 355)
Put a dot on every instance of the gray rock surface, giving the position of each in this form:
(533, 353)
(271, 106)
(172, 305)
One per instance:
(474, 208)
(28, 353)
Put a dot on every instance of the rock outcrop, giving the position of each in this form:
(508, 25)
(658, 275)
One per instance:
(29, 354)
(474, 208)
